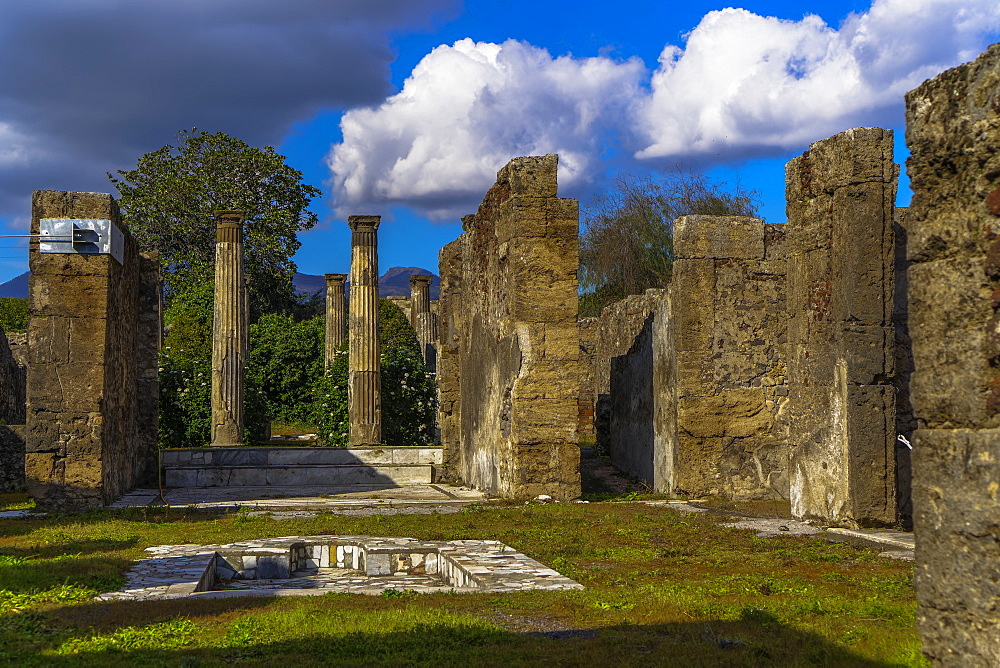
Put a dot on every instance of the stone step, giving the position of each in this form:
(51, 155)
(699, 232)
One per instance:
(297, 475)
(297, 456)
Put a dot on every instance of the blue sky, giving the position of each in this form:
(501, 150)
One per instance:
(406, 108)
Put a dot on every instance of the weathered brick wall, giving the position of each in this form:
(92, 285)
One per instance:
(728, 312)
(148, 341)
(841, 197)
(518, 347)
(85, 445)
(12, 388)
(953, 132)
(11, 458)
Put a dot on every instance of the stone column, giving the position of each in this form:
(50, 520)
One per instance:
(83, 436)
(841, 197)
(953, 228)
(423, 321)
(334, 315)
(364, 389)
(229, 336)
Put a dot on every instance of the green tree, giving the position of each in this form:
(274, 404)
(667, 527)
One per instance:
(287, 359)
(169, 200)
(627, 244)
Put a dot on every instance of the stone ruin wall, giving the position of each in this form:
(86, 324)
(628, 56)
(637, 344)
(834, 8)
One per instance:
(509, 329)
(614, 333)
(91, 356)
(787, 344)
(695, 379)
(12, 387)
(841, 197)
(585, 403)
(638, 410)
(953, 223)
(728, 299)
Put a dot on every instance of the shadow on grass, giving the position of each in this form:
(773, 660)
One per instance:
(712, 642)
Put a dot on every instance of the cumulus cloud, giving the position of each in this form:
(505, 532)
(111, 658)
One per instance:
(742, 86)
(466, 110)
(747, 85)
(89, 85)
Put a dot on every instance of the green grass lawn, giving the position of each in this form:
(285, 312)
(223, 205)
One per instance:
(661, 589)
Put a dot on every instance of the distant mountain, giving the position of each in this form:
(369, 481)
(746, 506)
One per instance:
(16, 287)
(393, 283)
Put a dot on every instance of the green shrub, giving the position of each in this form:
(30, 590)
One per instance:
(287, 360)
(13, 314)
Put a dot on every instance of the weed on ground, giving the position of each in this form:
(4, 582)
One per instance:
(662, 588)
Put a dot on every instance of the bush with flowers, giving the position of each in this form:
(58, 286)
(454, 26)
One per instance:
(185, 372)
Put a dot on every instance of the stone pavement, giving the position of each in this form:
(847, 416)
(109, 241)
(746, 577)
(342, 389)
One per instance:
(347, 499)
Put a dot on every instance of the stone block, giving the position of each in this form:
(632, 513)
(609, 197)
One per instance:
(273, 567)
(718, 237)
(732, 413)
(854, 156)
(956, 503)
(946, 302)
(533, 175)
(378, 564)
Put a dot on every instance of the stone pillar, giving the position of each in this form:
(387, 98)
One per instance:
(424, 322)
(335, 316)
(728, 297)
(518, 340)
(364, 387)
(841, 197)
(953, 224)
(83, 438)
(229, 331)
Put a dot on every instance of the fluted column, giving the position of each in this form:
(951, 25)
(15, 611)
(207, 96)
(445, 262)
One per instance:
(423, 321)
(229, 335)
(364, 390)
(334, 315)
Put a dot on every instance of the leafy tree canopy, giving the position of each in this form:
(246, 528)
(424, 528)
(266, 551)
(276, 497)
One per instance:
(627, 244)
(170, 198)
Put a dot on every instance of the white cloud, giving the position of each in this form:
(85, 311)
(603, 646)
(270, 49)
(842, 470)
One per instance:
(742, 86)
(745, 83)
(466, 110)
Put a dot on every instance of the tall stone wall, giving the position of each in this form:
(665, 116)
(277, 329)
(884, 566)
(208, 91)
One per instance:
(450, 328)
(640, 427)
(953, 132)
(88, 358)
(617, 328)
(728, 312)
(510, 299)
(841, 198)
